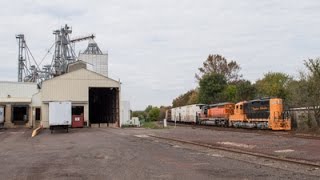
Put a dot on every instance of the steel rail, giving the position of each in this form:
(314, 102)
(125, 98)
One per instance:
(263, 132)
(295, 161)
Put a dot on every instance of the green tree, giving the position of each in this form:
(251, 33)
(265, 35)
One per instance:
(154, 114)
(142, 115)
(230, 93)
(148, 108)
(194, 97)
(273, 84)
(211, 87)
(245, 90)
(313, 65)
(239, 91)
(190, 97)
(313, 84)
(217, 64)
(298, 93)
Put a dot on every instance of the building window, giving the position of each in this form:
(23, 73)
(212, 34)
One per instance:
(77, 110)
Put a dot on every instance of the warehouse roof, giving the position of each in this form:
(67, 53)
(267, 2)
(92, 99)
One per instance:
(79, 74)
(74, 86)
(10, 90)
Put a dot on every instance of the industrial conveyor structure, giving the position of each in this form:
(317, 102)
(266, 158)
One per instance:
(29, 69)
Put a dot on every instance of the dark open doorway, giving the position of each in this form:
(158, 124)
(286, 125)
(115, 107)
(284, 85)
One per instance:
(20, 114)
(38, 114)
(103, 105)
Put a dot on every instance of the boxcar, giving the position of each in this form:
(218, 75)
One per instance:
(186, 114)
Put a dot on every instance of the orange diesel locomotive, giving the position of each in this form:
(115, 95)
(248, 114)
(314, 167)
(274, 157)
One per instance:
(261, 114)
(216, 114)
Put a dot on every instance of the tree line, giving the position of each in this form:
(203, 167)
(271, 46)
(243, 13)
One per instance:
(151, 113)
(219, 80)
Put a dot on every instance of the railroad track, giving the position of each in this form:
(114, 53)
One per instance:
(238, 151)
(263, 132)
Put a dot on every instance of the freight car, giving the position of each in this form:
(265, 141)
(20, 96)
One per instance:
(185, 114)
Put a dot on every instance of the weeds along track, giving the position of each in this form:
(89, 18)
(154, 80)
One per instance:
(258, 131)
(238, 151)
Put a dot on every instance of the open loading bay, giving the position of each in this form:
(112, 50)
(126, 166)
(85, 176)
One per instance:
(103, 105)
(20, 114)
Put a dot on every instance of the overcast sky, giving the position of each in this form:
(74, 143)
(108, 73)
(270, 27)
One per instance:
(156, 46)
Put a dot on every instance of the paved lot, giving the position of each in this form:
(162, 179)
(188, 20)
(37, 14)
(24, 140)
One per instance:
(96, 153)
(283, 146)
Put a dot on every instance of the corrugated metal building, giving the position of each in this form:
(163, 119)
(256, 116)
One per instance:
(93, 96)
(125, 113)
(15, 99)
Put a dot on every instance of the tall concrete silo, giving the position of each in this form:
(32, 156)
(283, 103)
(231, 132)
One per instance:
(96, 59)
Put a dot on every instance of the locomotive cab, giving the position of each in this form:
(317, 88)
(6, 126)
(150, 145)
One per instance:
(239, 109)
(279, 119)
(204, 111)
(239, 114)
